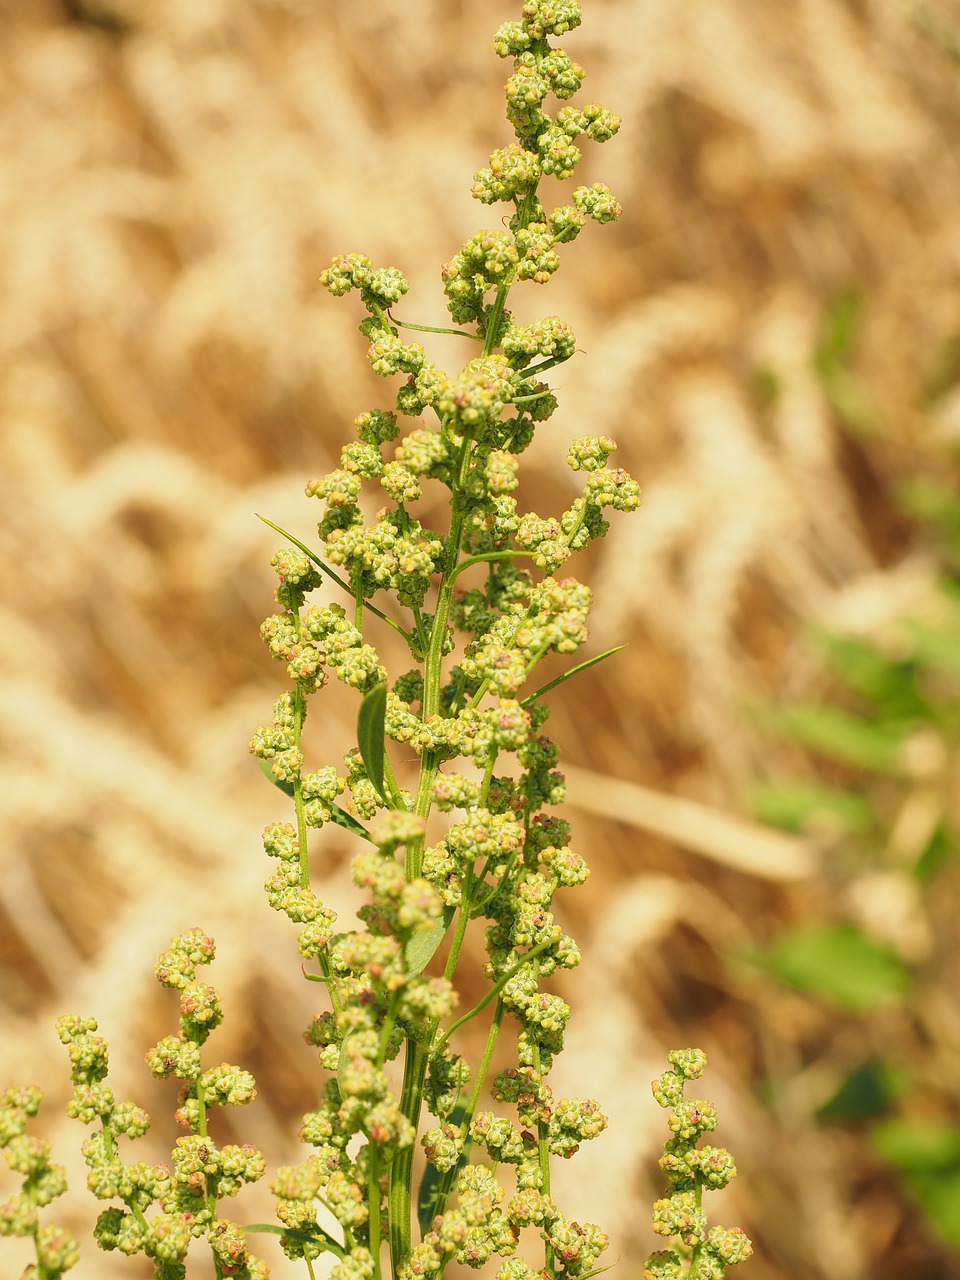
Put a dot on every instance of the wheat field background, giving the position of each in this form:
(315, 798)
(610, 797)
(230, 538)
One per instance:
(174, 174)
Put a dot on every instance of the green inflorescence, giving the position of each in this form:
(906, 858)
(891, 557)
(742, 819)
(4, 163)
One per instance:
(705, 1252)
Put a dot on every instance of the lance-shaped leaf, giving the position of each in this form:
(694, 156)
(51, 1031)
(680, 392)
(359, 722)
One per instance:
(337, 815)
(423, 943)
(432, 1179)
(322, 1238)
(370, 736)
(583, 666)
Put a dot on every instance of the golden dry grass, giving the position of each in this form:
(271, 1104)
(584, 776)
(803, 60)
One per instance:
(174, 175)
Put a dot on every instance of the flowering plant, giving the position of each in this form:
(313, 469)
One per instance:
(478, 605)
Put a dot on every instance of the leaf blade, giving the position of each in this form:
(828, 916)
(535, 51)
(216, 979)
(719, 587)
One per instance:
(424, 943)
(561, 679)
(337, 815)
(371, 731)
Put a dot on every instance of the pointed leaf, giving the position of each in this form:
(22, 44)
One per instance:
(319, 1237)
(839, 735)
(285, 787)
(925, 1145)
(425, 943)
(432, 1178)
(337, 815)
(810, 807)
(583, 666)
(349, 823)
(370, 736)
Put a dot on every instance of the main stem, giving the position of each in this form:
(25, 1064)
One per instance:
(418, 1049)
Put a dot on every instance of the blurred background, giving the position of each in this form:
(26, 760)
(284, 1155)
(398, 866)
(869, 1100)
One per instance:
(765, 781)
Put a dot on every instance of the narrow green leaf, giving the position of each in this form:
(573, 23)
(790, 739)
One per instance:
(320, 1237)
(432, 1179)
(325, 568)
(937, 648)
(349, 823)
(424, 944)
(927, 1152)
(337, 815)
(938, 1196)
(285, 787)
(370, 736)
(865, 1092)
(583, 666)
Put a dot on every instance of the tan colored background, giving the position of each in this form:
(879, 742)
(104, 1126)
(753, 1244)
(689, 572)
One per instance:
(173, 176)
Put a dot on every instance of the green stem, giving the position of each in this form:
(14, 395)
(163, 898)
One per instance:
(393, 787)
(401, 1168)
(373, 1205)
(492, 993)
(211, 1191)
(463, 919)
(488, 778)
(446, 1185)
(417, 1053)
(490, 557)
(698, 1247)
(434, 660)
(494, 317)
(544, 1158)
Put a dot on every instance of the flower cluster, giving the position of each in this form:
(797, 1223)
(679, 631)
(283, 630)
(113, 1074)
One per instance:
(498, 856)
(187, 1191)
(691, 1169)
(467, 717)
(43, 1182)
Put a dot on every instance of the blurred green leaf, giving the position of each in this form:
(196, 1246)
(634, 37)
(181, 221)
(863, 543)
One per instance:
(944, 372)
(809, 806)
(924, 1145)
(889, 684)
(867, 1091)
(936, 647)
(931, 500)
(768, 385)
(937, 503)
(928, 1155)
(840, 963)
(839, 735)
(942, 845)
(839, 327)
(942, 35)
(844, 389)
(938, 1195)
